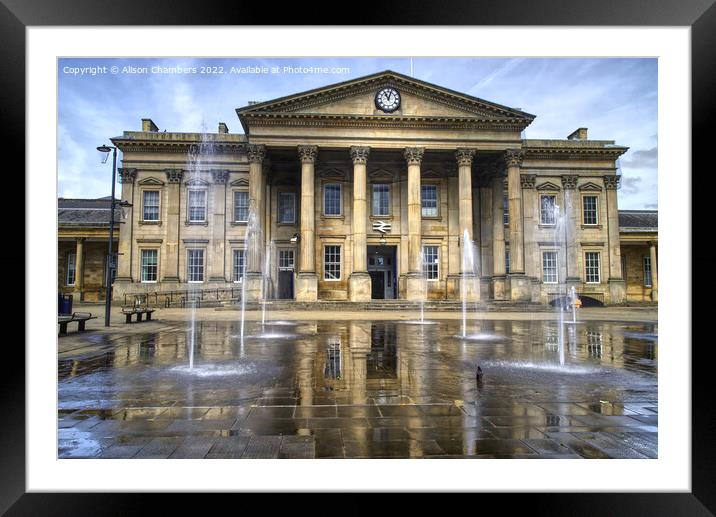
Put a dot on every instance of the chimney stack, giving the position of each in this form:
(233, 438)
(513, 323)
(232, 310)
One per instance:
(149, 126)
(223, 128)
(578, 134)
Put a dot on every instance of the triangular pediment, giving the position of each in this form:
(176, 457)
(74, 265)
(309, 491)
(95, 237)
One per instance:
(380, 174)
(332, 173)
(547, 186)
(150, 181)
(356, 98)
(197, 182)
(590, 186)
(241, 182)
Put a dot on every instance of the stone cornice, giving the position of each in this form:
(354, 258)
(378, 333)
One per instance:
(307, 153)
(134, 141)
(359, 154)
(258, 119)
(572, 152)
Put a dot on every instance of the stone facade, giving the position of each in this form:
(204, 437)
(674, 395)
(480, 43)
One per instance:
(639, 237)
(349, 202)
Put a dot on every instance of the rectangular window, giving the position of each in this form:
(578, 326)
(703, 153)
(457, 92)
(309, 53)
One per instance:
(549, 267)
(71, 268)
(239, 263)
(285, 259)
(197, 206)
(589, 205)
(241, 206)
(647, 271)
(149, 265)
(332, 262)
(591, 263)
(195, 265)
(507, 261)
(429, 200)
(431, 262)
(505, 209)
(287, 207)
(332, 199)
(150, 205)
(381, 199)
(547, 215)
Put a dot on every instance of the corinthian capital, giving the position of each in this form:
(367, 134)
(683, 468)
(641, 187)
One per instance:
(256, 152)
(219, 176)
(464, 157)
(307, 153)
(127, 175)
(612, 182)
(513, 157)
(414, 155)
(359, 154)
(527, 180)
(174, 175)
(569, 181)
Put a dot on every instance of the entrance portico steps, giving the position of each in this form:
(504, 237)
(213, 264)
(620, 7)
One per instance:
(388, 305)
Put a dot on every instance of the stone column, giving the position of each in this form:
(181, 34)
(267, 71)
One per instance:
(617, 286)
(170, 271)
(217, 257)
(307, 280)
(485, 225)
(469, 288)
(415, 286)
(654, 276)
(498, 238)
(254, 230)
(359, 286)
(573, 279)
(127, 178)
(532, 261)
(520, 286)
(79, 269)
(359, 347)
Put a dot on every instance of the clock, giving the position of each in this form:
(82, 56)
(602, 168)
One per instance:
(387, 100)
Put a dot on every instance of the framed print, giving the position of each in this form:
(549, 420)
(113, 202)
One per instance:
(276, 256)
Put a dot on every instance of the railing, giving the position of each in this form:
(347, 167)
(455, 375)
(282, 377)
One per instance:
(596, 295)
(182, 297)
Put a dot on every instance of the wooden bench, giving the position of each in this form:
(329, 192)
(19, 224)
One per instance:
(128, 311)
(80, 317)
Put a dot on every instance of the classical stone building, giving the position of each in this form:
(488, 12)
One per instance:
(377, 187)
(82, 234)
(639, 236)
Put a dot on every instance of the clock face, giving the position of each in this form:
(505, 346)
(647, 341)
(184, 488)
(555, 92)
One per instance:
(387, 99)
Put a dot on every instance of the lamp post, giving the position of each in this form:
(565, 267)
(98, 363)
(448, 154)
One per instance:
(105, 149)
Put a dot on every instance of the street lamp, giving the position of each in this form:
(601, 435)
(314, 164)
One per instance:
(104, 150)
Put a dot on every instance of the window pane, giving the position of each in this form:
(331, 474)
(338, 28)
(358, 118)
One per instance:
(197, 205)
(332, 199)
(507, 261)
(241, 207)
(505, 208)
(239, 265)
(647, 271)
(431, 262)
(332, 263)
(71, 268)
(195, 265)
(429, 199)
(381, 199)
(590, 209)
(149, 266)
(591, 261)
(547, 215)
(549, 267)
(151, 205)
(285, 259)
(286, 207)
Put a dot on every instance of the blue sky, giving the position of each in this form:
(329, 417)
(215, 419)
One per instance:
(615, 98)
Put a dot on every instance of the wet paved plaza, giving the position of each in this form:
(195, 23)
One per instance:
(362, 389)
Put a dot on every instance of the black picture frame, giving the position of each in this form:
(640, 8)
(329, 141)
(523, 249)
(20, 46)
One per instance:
(700, 15)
